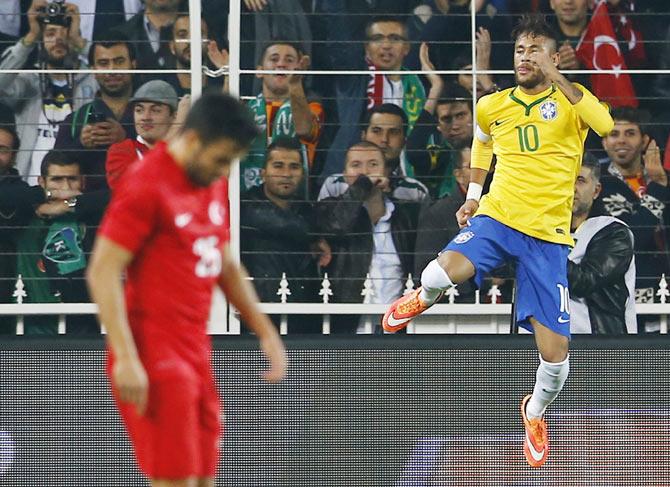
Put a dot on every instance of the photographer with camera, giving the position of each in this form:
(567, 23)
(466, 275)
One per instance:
(107, 119)
(41, 101)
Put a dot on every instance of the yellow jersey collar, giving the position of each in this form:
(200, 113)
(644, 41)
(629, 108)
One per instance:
(514, 98)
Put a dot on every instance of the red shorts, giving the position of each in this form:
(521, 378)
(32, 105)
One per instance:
(179, 434)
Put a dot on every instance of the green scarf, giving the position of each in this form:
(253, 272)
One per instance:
(414, 98)
(63, 246)
(250, 167)
(442, 162)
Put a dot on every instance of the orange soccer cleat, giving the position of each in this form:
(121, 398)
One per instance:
(536, 441)
(402, 310)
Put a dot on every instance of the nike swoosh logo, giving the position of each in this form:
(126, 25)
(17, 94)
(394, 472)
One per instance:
(394, 322)
(537, 456)
(498, 122)
(563, 320)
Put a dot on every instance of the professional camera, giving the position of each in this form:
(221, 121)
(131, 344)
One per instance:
(55, 14)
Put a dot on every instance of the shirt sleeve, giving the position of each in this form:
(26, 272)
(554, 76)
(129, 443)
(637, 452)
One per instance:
(132, 215)
(593, 113)
(482, 144)
(119, 157)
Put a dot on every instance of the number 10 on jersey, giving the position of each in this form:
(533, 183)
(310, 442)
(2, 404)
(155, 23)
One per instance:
(529, 139)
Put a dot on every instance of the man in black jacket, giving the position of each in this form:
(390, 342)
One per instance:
(150, 31)
(277, 233)
(601, 265)
(635, 190)
(20, 203)
(108, 119)
(371, 233)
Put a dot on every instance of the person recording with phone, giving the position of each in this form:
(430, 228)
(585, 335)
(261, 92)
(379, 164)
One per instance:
(41, 101)
(108, 118)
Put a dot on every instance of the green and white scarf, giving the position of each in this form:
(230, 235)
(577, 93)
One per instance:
(282, 125)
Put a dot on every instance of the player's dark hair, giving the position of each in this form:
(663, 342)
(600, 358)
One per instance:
(364, 144)
(273, 42)
(638, 117)
(216, 116)
(591, 162)
(285, 143)
(377, 19)
(390, 109)
(110, 38)
(455, 93)
(534, 25)
(56, 158)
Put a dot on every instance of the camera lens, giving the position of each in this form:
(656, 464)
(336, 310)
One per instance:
(55, 8)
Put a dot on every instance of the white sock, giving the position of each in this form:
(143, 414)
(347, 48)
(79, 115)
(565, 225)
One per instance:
(434, 280)
(549, 381)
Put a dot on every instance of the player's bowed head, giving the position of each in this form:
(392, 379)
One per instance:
(218, 130)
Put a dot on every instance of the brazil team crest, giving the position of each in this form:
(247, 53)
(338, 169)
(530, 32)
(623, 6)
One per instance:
(548, 110)
(463, 237)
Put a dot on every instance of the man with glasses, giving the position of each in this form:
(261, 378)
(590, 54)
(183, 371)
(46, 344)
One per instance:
(386, 48)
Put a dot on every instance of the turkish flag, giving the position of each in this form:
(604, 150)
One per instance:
(598, 49)
(626, 31)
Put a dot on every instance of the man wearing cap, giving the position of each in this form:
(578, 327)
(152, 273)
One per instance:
(154, 110)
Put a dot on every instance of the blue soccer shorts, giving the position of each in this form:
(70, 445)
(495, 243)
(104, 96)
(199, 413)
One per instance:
(541, 269)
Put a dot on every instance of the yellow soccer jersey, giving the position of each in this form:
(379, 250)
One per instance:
(538, 141)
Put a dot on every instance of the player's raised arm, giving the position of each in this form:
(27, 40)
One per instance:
(103, 276)
(241, 294)
(589, 109)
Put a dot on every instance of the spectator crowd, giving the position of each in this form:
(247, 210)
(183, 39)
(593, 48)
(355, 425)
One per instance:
(354, 175)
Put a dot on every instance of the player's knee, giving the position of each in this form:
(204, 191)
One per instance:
(435, 277)
(557, 352)
(456, 265)
(554, 356)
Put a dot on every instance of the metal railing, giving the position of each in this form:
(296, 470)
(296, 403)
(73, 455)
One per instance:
(490, 317)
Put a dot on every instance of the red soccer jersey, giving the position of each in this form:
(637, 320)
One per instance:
(175, 230)
(120, 156)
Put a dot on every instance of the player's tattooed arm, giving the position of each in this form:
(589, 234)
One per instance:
(570, 91)
(549, 66)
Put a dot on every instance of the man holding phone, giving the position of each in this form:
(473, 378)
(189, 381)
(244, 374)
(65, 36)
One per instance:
(108, 118)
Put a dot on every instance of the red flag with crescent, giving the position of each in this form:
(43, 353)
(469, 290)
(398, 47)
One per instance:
(598, 49)
(629, 35)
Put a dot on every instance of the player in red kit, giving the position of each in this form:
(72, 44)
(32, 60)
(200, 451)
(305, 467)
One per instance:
(167, 229)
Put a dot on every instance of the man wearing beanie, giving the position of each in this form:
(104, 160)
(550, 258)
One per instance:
(154, 110)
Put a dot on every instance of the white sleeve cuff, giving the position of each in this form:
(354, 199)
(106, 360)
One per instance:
(481, 136)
